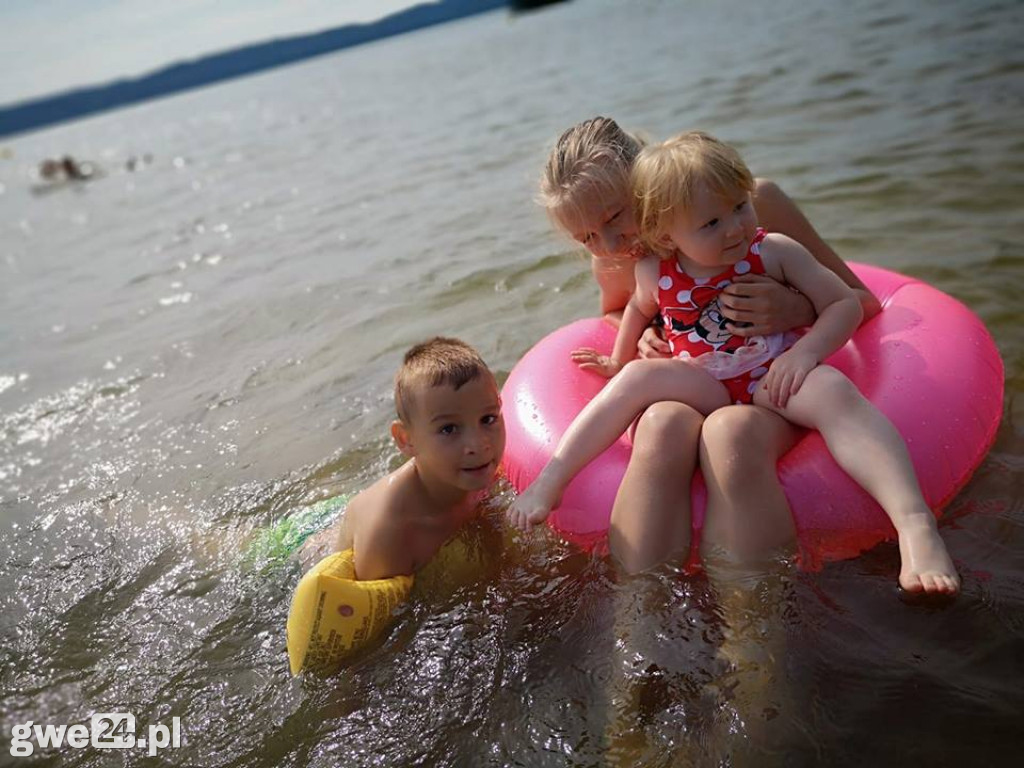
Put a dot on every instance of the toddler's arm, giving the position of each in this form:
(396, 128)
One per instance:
(642, 306)
(838, 308)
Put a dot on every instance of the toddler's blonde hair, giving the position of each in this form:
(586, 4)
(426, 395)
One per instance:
(595, 155)
(666, 176)
(433, 363)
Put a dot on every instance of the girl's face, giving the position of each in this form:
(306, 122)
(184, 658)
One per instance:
(602, 222)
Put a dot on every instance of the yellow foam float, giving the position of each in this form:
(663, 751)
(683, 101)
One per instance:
(332, 615)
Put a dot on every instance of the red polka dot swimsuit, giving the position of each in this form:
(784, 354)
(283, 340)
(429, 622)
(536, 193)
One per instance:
(696, 328)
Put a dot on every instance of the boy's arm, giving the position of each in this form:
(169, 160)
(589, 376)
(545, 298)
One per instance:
(343, 532)
(377, 540)
(380, 556)
(641, 308)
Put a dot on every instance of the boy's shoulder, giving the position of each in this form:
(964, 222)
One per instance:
(379, 521)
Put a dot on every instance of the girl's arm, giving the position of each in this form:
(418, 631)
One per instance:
(838, 309)
(782, 215)
(615, 279)
(637, 315)
(768, 306)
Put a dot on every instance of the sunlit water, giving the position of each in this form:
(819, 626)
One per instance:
(192, 350)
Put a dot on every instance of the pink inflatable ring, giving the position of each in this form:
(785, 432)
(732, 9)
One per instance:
(926, 361)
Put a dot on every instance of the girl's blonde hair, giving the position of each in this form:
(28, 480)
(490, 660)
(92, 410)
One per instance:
(666, 176)
(595, 155)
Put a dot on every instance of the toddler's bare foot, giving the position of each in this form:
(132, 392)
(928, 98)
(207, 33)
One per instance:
(926, 565)
(535, 503)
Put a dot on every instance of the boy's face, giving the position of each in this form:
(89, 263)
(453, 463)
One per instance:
(602, 222)
(716, 231)
(457, 436)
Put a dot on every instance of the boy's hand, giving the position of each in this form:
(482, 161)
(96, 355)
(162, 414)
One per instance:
(787, 375)
(591, 360)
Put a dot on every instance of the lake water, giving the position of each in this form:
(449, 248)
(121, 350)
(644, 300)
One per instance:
(190, 351)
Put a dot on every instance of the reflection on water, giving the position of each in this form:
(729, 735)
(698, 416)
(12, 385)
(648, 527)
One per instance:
(198, 347)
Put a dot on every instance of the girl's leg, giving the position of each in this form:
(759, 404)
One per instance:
(640, 384)
(650, 524)
(651, 517)
(748, 517)
(747, 538)
(866, 444)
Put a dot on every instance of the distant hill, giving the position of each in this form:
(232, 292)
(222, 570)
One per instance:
(29, 115)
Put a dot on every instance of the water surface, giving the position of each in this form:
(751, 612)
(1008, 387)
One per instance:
(194, 349)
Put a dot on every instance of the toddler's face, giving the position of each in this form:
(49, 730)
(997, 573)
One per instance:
(716, 231)
(603, 223)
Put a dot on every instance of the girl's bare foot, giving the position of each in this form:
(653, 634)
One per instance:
(926, 565)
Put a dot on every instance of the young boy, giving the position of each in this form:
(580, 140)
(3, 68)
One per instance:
(450, 425)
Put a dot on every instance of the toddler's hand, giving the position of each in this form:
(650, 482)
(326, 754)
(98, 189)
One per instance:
(525, 512)
(591, 360)
(787, 375)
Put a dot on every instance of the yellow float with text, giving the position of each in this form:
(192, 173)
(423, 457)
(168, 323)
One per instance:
(332, 615)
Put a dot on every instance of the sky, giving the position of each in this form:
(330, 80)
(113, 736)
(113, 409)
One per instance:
(48, 46)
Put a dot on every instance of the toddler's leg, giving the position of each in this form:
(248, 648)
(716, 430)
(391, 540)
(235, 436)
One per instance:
(641, 383)
(866, 444)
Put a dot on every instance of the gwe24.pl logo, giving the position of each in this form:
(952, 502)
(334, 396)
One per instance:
(106, 730)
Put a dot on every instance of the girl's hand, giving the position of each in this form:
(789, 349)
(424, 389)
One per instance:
(767, 305)
(652, 344)
(787, 374)
(591, 360)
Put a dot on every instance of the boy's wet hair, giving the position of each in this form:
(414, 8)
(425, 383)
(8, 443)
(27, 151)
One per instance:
(433, 363)
(595, 155)
(666, 177)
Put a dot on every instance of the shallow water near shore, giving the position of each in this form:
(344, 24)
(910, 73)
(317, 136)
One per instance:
(192, 350)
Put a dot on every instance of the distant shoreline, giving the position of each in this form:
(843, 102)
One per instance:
(22, 117)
